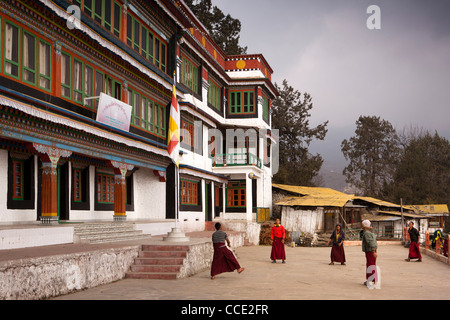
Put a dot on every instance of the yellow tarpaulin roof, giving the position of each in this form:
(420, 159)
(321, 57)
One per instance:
(310, 191)
(312, 201)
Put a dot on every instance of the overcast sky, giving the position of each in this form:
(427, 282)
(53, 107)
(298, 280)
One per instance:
(400, 72)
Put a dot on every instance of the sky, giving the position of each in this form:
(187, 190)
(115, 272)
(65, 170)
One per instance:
(400, 72)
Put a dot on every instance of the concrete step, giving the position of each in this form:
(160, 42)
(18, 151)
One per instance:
(158, 262)
(107, 232)
(152, 275)
(156, 268)
(163, 254)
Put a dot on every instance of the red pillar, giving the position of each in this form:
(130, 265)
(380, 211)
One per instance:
(120, 189)
(49, 191)
(120, 196)
(427, 240)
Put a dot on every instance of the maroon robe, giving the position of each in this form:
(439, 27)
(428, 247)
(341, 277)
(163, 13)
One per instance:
(337, 253)
(371, 261)
(278, 251)
(223, 260)
(414, 252)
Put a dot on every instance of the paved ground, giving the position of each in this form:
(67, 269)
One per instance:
(306, 275)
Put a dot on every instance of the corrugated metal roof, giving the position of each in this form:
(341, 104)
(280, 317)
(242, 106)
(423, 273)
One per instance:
(379, 218)
(405, 214)
(430, 208)
(378, 202)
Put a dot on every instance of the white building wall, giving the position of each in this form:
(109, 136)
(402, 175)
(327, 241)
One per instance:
(149, 196)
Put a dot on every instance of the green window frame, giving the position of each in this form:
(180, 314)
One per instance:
(147, 114)
(117, 19)
(215, 95)
(144, 46)
(29, 57)
(98, 11)
(89, 85)
(87, 6)
(99, 86)
(265, 108)
(130, 30)
(45, 65)
(242, 102)
(236, 194)
(136, 35)
(189, 74)
(12, 54)
(66, 75)
(108, 6)
(77, 80)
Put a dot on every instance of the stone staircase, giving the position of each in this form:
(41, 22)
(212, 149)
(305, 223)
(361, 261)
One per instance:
(107, 232)
(158, 262)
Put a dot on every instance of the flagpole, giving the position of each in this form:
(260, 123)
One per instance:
(176, 235)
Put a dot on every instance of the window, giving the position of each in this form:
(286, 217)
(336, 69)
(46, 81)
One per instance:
(78, 81)
(146, 43)
(12, 50)
(29, 58)
(188, 135)
(98, 7)
(242, 102)
(89, 85)
(87, 7)
(77, 195)
(20, 182)
(105, 188)
(265, 108)
(215, 95)
(45, 63)
(99, 86)
(189, 192)
(189, 75)
(65, 75)
(147, 114)
(117, 19)
(17, 180)
(129, 29)
(236, 194)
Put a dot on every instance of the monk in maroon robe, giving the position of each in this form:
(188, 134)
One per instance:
(414, 252)
(223, 259)
(277, 236)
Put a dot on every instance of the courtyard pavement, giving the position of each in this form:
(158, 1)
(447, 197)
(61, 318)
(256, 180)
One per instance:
(305, 276)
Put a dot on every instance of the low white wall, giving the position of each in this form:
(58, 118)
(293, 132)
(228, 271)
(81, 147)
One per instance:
(46, 277)
(34, 237)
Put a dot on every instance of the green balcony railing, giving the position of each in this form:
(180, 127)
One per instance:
(236, 159)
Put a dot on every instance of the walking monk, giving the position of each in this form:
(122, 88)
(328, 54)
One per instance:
(414, 252)
(277, 235)
(223, 260)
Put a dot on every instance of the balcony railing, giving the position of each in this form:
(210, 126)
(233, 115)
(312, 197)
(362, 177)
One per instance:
(236, 159)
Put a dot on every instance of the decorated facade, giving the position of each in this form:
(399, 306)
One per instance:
(85, 95)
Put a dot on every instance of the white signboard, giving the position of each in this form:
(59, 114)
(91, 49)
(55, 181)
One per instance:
(114, 113)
